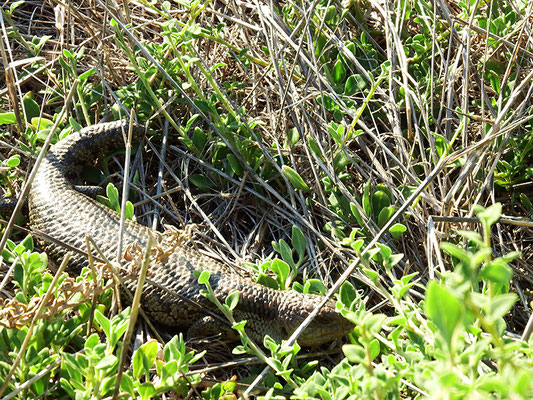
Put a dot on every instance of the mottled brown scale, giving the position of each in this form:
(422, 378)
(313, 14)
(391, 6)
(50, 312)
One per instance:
(60, 211)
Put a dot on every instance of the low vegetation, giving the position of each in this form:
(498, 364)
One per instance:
(378, 150)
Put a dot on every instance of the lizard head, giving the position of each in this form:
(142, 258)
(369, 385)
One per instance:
(284, 313)
(327, 326)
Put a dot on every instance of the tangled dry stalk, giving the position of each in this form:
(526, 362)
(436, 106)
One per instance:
(396, 144)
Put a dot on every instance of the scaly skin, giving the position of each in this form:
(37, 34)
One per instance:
(58, 210)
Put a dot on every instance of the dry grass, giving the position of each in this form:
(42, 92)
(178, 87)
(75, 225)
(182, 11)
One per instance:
(397, 145)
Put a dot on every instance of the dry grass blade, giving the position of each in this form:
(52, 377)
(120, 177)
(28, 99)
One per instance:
(125, 183)
(135, 306)
(375, 128)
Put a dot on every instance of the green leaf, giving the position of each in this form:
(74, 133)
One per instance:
(199, 139)
(8, 118)
(286, 253)
(229, 386)
(282, 271)
(129, 213)
(201, 182)
(354, 83)
(337, 132)
(374, 349)
(268, 281)
(394, 259)
(27, 243)
(169, 373)
(42, 134)
(295, 179)
(105, 201)
(64, 65)
(474, 237)
(397, 230)
(298, 287)
(441, 145)
(112, 195)
(490, 215)
(339, 73)
(373, 323)
(293, 136)
(204, 277)
(126, 384)
(313, 286)
(83, 77)
(522, 383)
(13, 161)
(328, 102)
(366, 199)
(235, 164)
(67, 54)
(107, 362)
(355, 212)
(384, 215)
(103, 322)
(119, 324)
(238, 350)
(67, 387)
(233, 299)
(74, 124)
(444, 310)
(455, 251)
(315, 148)
(73, 366)
(299, 242)
(481, 300)
(347, 294)
(407, 278)
(331, 14)
(31, 108)
(384, 250)
(341, 160)
(205, 107)
(380, 200)
(144, 358)
(14, 5)
(146, 390)
(354, 353)
(501, 304)
(239, 326)
(175, 348)
(357, 245)
(497, 272)
(373, 275)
